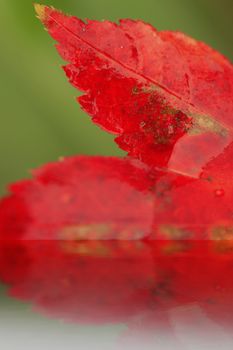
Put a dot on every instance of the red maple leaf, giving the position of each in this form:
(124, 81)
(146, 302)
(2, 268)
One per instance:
(77, 234)
(105, 239)
(167, 97)
(93, 239)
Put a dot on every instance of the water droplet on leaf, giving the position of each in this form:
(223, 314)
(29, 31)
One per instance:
(219, 192)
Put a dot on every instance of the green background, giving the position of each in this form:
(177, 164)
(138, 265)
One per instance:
(40, 120)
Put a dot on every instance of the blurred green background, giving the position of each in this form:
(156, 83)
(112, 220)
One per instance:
(40, 120)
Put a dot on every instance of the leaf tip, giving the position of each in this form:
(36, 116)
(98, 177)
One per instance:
(40, 11)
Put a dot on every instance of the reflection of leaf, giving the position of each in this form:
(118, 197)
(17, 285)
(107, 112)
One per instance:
(83, 288)
(167, 97)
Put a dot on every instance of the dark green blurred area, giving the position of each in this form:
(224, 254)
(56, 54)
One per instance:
(40, 120)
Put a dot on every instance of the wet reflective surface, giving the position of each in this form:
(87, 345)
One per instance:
(157, 293)
(62, 282)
